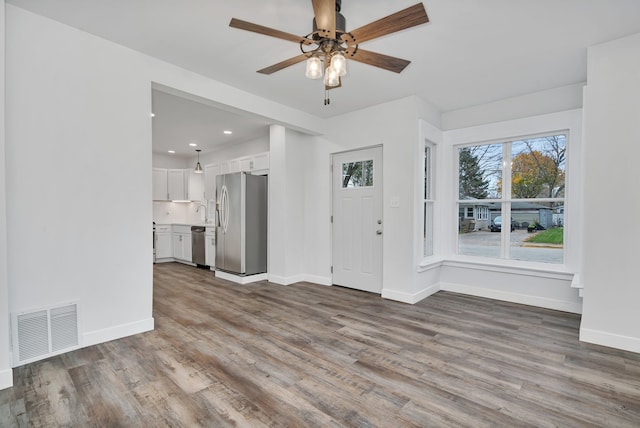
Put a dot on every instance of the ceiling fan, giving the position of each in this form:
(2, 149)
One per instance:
(328, 46)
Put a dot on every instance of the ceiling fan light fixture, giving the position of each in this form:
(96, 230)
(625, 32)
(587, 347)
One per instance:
(331, 78)
(339, 63)
(314, 68)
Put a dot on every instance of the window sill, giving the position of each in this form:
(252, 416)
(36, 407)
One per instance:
(512, 267)
(430, 263)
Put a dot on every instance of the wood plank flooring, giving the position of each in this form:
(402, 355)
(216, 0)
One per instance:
(307, 355)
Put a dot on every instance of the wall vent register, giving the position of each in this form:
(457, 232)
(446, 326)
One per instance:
(43, 333)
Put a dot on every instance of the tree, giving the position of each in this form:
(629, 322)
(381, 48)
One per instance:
(472, 181)
(530, 175)
(549, 161)
(538, 172)
(357, 174)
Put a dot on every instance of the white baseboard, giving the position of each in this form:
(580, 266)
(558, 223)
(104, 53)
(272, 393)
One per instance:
(543, 302)
(610, 340)
(286, 280)
(321, 280)
(6, 378)
(403, 297)
(117, 332)
(239, 279)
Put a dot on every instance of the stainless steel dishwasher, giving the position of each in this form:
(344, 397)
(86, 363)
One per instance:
(197, 245)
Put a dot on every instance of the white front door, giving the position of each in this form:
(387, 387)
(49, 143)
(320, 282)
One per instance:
(357, 219)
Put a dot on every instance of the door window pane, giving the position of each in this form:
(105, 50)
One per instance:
(357, 174)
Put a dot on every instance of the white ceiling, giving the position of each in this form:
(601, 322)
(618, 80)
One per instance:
(179, 121)
(470, 53)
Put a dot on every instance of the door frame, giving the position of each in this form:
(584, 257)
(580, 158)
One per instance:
(331, 214)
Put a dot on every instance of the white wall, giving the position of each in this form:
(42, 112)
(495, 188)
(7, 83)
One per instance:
(233, 151)
(169, 162)
(527, 105)
(611, 293)
(317, 209)
(167, 212)
(286, 206)
(78, 218)
(6, 376)
(393, 125)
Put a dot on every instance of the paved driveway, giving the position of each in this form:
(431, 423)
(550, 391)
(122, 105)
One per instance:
(484, 243)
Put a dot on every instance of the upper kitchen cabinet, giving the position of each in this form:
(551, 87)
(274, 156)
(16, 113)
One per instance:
(257, 162)
(210, 173)
(160, 184)
(196, 186)
(177, 184)
(230, 166)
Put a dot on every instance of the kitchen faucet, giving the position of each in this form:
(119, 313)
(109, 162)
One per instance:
(206, 220)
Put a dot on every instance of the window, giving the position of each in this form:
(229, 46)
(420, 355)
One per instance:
(357, 174)
(482, 213)
(428, 201)
(517, 189)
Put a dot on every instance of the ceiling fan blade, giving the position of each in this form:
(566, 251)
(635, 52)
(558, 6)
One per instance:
(325, 13)
(284, 64)
(379, 60)
(260, 29)
(406, 18)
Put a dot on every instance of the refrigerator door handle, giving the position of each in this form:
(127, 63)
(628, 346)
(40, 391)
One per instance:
(224, 211)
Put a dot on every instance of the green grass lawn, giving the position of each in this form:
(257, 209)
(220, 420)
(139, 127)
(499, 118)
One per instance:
(550, 236)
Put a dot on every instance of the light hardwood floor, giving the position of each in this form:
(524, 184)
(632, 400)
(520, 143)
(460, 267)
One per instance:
(307, 355)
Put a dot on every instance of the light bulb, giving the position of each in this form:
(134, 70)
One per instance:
(339, 63)
(314, 68)
(331, 78)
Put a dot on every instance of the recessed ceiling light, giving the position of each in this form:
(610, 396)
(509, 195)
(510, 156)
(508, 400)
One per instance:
(193, 144)
(172, 151)
(228, 132)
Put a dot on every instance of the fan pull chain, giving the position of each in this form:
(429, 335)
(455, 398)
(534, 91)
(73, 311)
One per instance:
(327, 101)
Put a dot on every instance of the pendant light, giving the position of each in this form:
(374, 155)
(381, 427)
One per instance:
(198, 166)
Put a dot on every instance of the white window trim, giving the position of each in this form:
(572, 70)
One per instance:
(568, 122)
(430, 200)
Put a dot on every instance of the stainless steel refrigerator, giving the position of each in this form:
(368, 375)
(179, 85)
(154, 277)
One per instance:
(241, 232)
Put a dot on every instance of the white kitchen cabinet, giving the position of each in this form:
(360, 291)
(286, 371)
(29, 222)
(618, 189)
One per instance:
(233, 165)
(210, 173)
(210, 246)
(177, 184)
(196, 186)
(182, 243)
(160, 184)
(164, 242)
(254, 163)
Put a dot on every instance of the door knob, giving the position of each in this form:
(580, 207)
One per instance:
(378, 232)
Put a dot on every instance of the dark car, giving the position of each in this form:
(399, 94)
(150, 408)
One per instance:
(496, 224)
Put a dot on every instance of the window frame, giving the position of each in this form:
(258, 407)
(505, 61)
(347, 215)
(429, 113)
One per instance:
(428, 199)
(506, 198)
